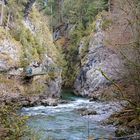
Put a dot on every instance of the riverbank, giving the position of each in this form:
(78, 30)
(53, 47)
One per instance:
(30, 101)
(126, 122)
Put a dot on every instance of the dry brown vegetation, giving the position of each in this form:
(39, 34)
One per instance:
(124, 37)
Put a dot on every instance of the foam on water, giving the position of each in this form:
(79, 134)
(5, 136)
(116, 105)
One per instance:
(63, 122)
(104, 109)
(31, 111)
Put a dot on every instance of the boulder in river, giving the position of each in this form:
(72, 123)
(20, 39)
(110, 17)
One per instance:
(49, 102)
(93, 99)
(85, 111)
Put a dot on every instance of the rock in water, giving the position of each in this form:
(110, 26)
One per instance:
(85, 111)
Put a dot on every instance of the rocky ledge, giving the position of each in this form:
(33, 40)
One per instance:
(26, 101)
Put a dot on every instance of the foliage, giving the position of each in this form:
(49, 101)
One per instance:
(83, 11)
(73, 12)
(130, 52)
(12, 122)
(106, 24)
(36, 39)
(70, 70)
(81, 14)
(31, 49)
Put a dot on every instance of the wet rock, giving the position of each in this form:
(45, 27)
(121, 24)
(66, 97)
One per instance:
(52, 102)
(43, 111)
(93, 99)
(89, 112)
(33, 101)
(85, 111)
(44, 102)
(49, 102)
(25, 103)
(63, 102)
(81, 109)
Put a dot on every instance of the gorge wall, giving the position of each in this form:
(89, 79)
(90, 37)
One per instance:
(109, 55)
(30, 63)
(99, 58)
(88, 50)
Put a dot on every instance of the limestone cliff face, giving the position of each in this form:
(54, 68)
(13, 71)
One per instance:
(103, 57)
(29, 60)
(9, 54)
(99, 58)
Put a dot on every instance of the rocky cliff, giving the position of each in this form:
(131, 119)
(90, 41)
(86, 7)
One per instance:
(105, 62)
(98, 46)
(30, 63)
(99, 58)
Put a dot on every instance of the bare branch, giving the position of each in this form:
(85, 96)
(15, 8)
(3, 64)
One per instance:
(118, 87)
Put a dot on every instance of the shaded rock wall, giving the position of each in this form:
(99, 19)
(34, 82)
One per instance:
(99, 58)
(112, 50)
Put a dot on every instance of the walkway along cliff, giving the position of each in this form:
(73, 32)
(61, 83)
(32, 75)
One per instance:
(30, 63)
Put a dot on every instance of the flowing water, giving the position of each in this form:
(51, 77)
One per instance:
(63, 122)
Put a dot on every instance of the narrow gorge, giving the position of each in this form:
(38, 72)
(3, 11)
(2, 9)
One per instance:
(69, 70)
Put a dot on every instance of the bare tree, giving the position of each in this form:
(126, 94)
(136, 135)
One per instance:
(127, 43)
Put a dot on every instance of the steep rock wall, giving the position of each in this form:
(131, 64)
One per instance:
(111, 50)
(99, 58)
(29, 60)
(9, 54)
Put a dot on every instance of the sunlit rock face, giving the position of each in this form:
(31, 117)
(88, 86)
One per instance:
(44, 78)
(9, 55)
(99, 59)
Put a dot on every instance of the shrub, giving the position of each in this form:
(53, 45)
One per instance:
(12, 122)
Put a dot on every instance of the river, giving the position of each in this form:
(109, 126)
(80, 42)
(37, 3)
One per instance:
(63, 122)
